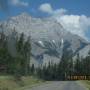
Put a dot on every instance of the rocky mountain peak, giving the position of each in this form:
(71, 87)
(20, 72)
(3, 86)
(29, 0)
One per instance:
(48, 37)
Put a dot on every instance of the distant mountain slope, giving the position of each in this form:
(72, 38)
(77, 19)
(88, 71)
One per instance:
(48, 37)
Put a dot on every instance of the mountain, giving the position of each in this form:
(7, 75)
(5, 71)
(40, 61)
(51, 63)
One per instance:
(49, 39)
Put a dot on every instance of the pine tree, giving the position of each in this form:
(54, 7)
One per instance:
(32, 69)
(23, 50)
(77, 65)
(27, 52)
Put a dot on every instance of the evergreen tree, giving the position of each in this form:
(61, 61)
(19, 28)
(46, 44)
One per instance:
(23, 50)
(32, 69)
(77, 65)
(27, 52)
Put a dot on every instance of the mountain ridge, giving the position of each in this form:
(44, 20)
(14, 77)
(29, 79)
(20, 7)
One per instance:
(48, 37)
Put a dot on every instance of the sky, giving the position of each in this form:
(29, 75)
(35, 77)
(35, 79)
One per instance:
(74, 15)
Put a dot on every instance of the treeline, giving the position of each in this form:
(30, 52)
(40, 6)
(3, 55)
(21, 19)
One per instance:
(18, 64)
(65, 68)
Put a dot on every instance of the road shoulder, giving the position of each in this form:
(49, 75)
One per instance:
(84, 84)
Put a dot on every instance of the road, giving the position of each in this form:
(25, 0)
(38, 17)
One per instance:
(60, 85)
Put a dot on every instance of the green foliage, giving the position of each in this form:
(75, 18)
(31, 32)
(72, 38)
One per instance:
(19, 64)
(23, 50)
(32, 69)
(66, 67)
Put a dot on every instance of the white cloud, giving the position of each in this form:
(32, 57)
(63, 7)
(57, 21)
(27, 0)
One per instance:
(46, 8)
(19, 3)
(59, 12)
(77, 24)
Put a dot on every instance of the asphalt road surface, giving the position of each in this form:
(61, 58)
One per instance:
(60, 85)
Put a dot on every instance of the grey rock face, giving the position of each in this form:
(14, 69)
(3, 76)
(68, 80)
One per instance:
(48, 37)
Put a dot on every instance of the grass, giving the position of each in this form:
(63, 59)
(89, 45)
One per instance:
(86, 83)
(9, 83)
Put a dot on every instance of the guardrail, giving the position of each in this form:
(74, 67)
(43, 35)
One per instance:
(75, 77)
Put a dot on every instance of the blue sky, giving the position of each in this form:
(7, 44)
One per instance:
(74, 14)
(77, 7)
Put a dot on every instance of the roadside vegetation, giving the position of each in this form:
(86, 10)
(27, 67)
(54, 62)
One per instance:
(86, 83)
(10, 83)
(15, 70)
